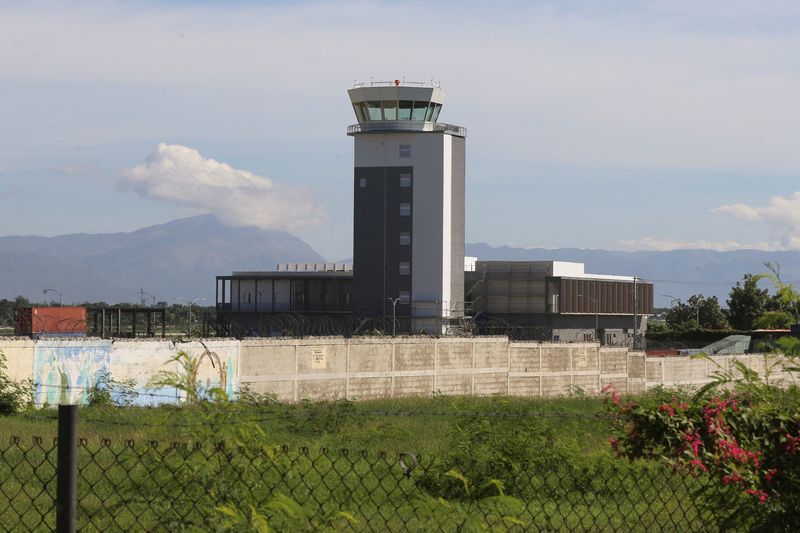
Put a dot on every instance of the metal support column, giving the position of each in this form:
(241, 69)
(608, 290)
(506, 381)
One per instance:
(67, 469)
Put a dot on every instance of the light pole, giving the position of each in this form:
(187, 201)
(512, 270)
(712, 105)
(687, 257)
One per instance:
(60, 296)
(190, 304)
(142, 292)
(394, 314)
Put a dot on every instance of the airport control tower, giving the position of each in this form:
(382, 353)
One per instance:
(408, 227)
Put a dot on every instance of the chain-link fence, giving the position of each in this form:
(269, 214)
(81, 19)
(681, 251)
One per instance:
(127, 485)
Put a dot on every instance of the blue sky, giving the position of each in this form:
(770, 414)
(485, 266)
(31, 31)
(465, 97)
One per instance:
(625, 125)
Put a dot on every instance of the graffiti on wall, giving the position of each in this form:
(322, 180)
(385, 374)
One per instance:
(64, 370)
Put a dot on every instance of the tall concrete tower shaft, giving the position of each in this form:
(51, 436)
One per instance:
(409, 178)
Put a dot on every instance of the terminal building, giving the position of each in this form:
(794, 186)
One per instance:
(408, 246)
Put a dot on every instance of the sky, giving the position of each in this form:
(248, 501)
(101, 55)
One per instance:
(617, 125)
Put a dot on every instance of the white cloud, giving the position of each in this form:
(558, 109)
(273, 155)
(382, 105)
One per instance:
(665, 245)
(182, 176)
(782, 215)
(676, 85)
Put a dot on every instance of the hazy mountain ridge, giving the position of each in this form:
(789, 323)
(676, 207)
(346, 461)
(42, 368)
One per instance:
(182, 257)
(176, 259)
(679, 273)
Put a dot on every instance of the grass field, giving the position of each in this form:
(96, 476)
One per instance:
(521, 464)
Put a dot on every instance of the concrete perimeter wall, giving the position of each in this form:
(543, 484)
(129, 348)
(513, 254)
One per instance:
(360, 368)
(380, 367)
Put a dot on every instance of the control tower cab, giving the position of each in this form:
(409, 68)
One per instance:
(409, 178)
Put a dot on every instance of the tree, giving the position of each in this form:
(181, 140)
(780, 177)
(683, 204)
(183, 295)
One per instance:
(786, 297)
(697, 312)
(774, 320)
(747, 302)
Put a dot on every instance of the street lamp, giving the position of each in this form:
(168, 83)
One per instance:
(142, 292)
(190, 303)
(60, 296)
(394, 314)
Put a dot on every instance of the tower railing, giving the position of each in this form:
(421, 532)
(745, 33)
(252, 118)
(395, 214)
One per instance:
(407, 125)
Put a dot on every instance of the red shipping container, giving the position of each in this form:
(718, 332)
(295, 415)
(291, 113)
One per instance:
(67, 321)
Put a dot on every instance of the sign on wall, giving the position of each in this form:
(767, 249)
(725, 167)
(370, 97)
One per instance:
(319, 357)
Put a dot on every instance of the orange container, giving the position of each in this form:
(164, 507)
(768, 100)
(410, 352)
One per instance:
(50, 321)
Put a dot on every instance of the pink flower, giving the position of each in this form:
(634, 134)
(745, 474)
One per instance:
(693, 440)
(769, 474)
(699, 464)
(667, 409)
(732, 478)
(615, 399)
(762, 496)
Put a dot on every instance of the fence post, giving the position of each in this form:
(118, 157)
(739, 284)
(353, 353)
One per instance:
(67, 469)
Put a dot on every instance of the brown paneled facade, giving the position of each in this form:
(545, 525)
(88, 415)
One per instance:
(607, 297)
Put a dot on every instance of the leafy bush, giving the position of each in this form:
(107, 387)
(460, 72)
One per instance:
(491, 452)
(14, 395)
(774, 320)
(185, 379)
(740, 431)
(108, 391)
(251, 398)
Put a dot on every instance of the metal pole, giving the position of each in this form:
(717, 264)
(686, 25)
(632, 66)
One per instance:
(635, 311)
(67, 469)
(190, 320)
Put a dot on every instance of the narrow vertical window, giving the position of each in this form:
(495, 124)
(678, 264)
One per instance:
(405, 268)
(405, 238)
(362, 182)
(405, 297)
(374, 111)
(405, 181)
(405, 151)
(405, 209)
(404, 112)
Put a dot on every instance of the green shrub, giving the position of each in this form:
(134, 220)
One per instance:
(108, 391)
(489, 451)
(14, 395)
(741, 432)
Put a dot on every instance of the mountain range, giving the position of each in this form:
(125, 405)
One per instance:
(180, 259)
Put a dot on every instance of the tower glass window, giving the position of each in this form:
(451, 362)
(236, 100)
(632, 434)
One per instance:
(360, 110)
(405, 209)
(405, 238)
(420, 108)
(405, 110)
(374, 111)
(435, 115)
(405, 268)
(390, 110)
(405, 151)
(362, 182)
(405, 181)
(405, 297)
